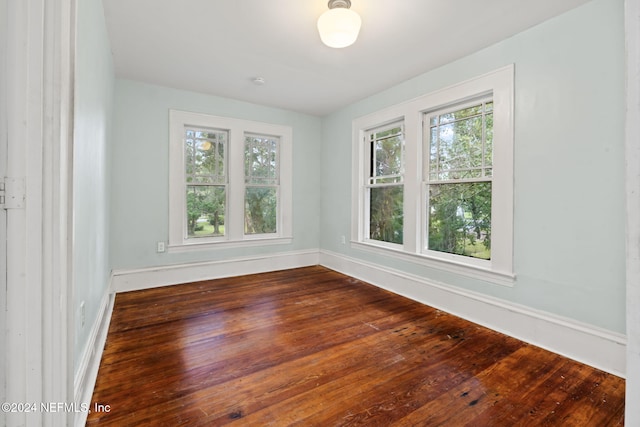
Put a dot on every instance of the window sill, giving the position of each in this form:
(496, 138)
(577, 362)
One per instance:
(227, 244)
(472, 271)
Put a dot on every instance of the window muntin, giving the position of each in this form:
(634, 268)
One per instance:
(458, 181)
(384, 184)
(262, 184)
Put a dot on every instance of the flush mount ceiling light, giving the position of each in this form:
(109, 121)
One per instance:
(339, 26)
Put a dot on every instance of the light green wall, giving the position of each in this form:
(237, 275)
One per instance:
(91, 167)
(140, 200)
(569, 164)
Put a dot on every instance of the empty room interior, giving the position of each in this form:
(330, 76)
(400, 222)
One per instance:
(427, 226)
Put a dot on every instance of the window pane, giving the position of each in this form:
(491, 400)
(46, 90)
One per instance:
(386, 214)
(488, 156)
(189, 155)
(461, 114)
(459, 174)
(260, 213)
(461, 144)
(394, 131)
(386, 151)
(261, 160)
(205, 152)
(388, 156)
(205, 211)
(460, 219)
(433, 150)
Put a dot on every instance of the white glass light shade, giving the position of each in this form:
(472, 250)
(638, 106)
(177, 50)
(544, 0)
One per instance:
(339, 27)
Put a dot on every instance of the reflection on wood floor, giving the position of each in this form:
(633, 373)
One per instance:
(313, 347)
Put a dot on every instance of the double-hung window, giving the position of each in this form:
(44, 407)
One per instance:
(384, 186)
(457, 179)
(230, 182)
(262, 184)
(206, 181)
(433, 179)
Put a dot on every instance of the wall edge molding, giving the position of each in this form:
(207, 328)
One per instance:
(87, 373)
(594, 346)
(167, 275)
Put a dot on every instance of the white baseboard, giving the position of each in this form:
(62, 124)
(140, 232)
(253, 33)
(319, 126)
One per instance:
(85, 378)
(153, 277)
(600, 348)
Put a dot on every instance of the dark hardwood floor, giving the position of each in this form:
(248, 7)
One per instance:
(312, 347)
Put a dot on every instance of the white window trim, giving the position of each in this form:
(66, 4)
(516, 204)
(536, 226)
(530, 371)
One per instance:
(499, 270)
(235, 237)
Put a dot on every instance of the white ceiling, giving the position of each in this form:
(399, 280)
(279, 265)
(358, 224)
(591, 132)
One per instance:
(219, 46)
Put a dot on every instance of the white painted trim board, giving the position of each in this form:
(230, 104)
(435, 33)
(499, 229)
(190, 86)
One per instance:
(632, 180)
(87, 374)
(153, 277)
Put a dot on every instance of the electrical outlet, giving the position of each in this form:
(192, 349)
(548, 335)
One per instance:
(160, 247)
(343, 240)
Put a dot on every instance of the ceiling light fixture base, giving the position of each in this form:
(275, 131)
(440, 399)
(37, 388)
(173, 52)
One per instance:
(339, 3)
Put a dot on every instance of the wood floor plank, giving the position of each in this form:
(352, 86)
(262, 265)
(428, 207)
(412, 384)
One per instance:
(313, 347)
(484, 390)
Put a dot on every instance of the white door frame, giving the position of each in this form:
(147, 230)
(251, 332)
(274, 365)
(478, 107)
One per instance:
(632, 159)
(3, 214)
(39, 88)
